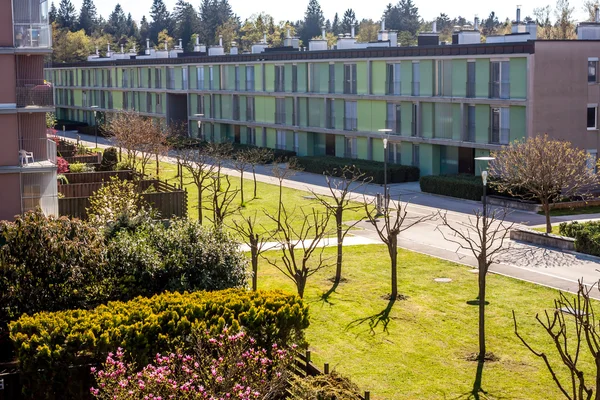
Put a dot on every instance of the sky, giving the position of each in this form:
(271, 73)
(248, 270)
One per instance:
(373, 9)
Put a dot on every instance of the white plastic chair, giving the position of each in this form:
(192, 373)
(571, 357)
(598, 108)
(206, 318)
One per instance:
(25, 156)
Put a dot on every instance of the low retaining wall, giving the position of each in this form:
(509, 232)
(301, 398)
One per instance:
(543, 239)
(533, 207)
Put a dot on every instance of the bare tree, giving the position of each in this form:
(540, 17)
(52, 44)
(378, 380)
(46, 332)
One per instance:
(283, 171)
(240, 164)
(221, 191)
(256, 156)
(198, 162)
(545, 169)
(573, 328)
(256, 237)
(299, 244)
(351, 179)
(389, 226)
(484, 235)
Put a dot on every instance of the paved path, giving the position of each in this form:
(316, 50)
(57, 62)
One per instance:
(535, 264)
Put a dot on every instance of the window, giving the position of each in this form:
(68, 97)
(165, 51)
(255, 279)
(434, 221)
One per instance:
(470, 79)
(394, 118)
(500, 126)
(200, 78)
(469, 133)
(236, 107)
(330, 113)
(414, 126)
(211, 77)
(250, 78)
(237, 77)
(158, 104)
(331, 78)
(592, 161)
(416, 79)
(125, 78)
(110, 100)
(170, 78)
(84, 99)
(312, 78)
(251, 136)
(296, 142)
(83, 78)
(443, 78)
(97, 79)
(350, 79)
(184, 78)
(279, 78)
(280, 111)
(592, 70)
(200, 104)
(249, 108)
(131, 78)
(157, 80)
(592, 117)
(125, 101)
(149, 78)
(393, 84)
(499, 79)
(139, 78)
(264, 137)
(393, 153)
(280, 140)
(149, 102)
(416, 161)
(350, 150)
(350, 120)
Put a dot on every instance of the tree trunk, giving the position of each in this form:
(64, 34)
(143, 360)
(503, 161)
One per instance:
(157, 166)
(300, 285)
(482, 274)
(393, 250)
(242, 186)
(279, 208)
(254, 253)
(546, 207)
(199, 203)
(254, 177)
(338, 269)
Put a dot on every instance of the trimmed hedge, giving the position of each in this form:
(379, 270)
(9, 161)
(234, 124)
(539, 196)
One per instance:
(187, 142)
(374, 169)
(68, 124)
(48, 344)
(468, 187)
(586, 235)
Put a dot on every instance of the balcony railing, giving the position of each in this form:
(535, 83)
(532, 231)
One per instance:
(34, 151)
(330, 122)
(34, 93)
(470, 90)
(413, 129)
(237, 84)
(350, 124)
(500, 136)
(280, 118)
(200, 84)
(33, 35)
(394, 87)
(499, 90)
(249, 86)
(350, 154)
(394, 125)
(469, 134)
(416, 89)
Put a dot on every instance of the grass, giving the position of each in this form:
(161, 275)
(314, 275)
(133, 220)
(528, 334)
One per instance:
(267, 200)
(573, 211)
(543, 229)
(422, 353)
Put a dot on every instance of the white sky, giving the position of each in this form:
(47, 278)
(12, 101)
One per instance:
(294, 9)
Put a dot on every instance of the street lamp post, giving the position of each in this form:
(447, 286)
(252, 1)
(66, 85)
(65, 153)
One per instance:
(96, 123)
(386, 195)
(199, 125)
(484, 176)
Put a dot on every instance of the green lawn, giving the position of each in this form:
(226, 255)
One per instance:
(422, 354)
(267, 200)
(543, 229)
(573, 211)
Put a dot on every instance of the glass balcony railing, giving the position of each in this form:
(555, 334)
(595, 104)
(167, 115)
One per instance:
(350, 124)
(34, 93)
(34, 151)
(499, 136)
(31, 35)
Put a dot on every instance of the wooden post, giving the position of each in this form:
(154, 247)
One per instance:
(180, 175)
(367, 395)
(307, 360)
(326, 368)
(157, 172)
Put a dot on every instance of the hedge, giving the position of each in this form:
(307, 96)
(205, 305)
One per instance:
(586, 235)
(187, 142)
(49, 344)
(374, 169)
(467, 187)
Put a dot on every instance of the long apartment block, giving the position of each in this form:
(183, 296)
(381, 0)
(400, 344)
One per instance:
(445, 103)
(27, 157)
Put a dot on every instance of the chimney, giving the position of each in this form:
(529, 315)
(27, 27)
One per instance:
(518, 15)
(147, 46)
(166, 45)
(352, 32)
(597, 15)
(288, 42)
(434, 27)
(323, 33)
(383, 24)
(221, 40)
(476, 23)
(264, 37)
(180, 44)
(97, 51)
(289, 37)
(108, 51)
(233, 49)
(122, 49)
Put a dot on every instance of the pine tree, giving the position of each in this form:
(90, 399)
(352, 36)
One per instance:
(66, 16)
(348, 21)
(52, 14)
(132, 28)
(144, 29)
(88, 17)
(117, 23)
(335, 25)
(403, 17)
(313, 22)
(187, 23)
(161, 20)
(213, 14)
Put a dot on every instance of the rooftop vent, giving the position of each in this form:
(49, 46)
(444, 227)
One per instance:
(590, 30)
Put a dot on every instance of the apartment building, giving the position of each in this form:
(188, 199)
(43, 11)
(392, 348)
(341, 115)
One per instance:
(445, 103)
(27, 157)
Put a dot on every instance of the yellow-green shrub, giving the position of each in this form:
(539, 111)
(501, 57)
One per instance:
(47, 344)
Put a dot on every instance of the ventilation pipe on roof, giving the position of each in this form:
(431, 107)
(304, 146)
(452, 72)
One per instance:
(180, 44)
(147, 47)
(97, 51)
(264, 37)
(597, 15)
(352, 32)
(166, 45)
(434, 27)
(518, 14)
(383, 24)
(476, 23)
(122, 51)
(221, 40)
(323, 33)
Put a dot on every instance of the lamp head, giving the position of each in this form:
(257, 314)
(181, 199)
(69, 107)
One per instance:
(385, 141)
(484, 176)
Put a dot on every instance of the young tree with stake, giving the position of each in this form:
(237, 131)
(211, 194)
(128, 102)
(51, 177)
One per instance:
(198, 163)
(282, 172)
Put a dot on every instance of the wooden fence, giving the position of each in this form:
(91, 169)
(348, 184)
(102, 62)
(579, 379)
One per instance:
(86, 159)
(104, 176)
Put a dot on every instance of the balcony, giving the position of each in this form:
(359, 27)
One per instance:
(470, 90)
(394, 125)
(499, 90)
(280, 118)
(32, 93)
(32, 36)
(416, 89)
(36, 153)
(499, 136)
(350, 124)
(469, 133)
(394, 87)
(413, 129)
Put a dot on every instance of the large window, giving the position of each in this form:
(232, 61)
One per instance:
(500, 125)
(394, 153)
(416, 155)
(331, 78)
(350, 116)
(249, 108)
(279, 78)
(350, 79)
(471, 79)
(251, 136)
(170, 78)
(469, 132)
(394, 118)
(237, 77)
(157, 78)
(393, 83)
(350, 147)
(330, 114)
(250, 78)
(592, 70)
(211, 77)
(499, 80)
(280, 111)
(592, 117)
(280, 140)
(200, 104)
(236, 107)
(200, 78)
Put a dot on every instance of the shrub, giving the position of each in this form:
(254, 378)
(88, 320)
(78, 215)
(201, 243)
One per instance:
(151, 258)
(47, 344)
(227, 366)
(468, 187)
(117, 198)
(374, 169)
(323, 387)
(80, 167)
(110, 159)
(62, 165)
(586, 235)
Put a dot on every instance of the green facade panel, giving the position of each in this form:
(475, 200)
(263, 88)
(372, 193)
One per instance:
(482, 77)
(457, 125)
(339, 78)
(427, 125)
(378, 79)
(406, 115)
(287, 77)
(258, 77)
(482, 123)
(429, 159)
(362, 77)
(426, 71)
(269, 104)
(316, 114)
(459, 78)
(319, 143)
(339, 114)
(518, 127)
(192, 78)
(269, 77)
(362, 148)
(340, 146)
(518, 78)
(323, 74)
(303, 111)
(226, 107)
(378, 150)
(406, 77)
(406, 153)
(448, 160)
(289, 111)
(301, 71)
(371, 115)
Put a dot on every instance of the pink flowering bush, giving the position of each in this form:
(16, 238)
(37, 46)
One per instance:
(62, 165)
(229, 366)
